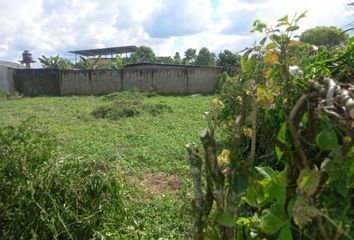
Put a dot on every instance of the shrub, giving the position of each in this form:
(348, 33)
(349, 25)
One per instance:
(46, 197)
(129, 104)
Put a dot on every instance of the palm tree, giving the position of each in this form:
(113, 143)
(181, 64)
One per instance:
(87, 63)
(55, 62)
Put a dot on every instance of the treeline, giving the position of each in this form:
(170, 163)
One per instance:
(227, 59)
(322, 37)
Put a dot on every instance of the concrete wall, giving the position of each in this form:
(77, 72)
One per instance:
(202, 80)
(172, 81)
(7, 76)
(90, 82)
(37, 82)
(6, 79)
(165, 79)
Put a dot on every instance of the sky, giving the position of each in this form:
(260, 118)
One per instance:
(50, 27)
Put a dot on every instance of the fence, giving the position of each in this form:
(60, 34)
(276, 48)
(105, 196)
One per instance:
(164, 79)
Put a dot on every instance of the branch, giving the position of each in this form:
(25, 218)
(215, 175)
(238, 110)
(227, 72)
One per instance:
(195, 161)
(250, 160)
(293, 131)
(209, 145)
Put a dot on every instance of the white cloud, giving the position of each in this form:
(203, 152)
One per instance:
(56, 26)
(179, 18)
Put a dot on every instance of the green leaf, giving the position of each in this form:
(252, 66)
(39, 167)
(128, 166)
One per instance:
(282, 24)
(303, 212)
(282, 133)
(342, 186)
(278, 190)
(292, 28)
(285, 232)
(263, 41)
(273, 219)
(291, 207)
(279, 152)
(271, 45)
(241, 183)
(243, 221)
(258, 26)
(225, 220)
(266, 172)
(276, 38)
(244, 58)
(308, 181)
(302, 15)
(283, 19)
(251, 196)
(327, 140)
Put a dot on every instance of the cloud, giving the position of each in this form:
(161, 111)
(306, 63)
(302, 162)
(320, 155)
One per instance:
(49, 27)
(237, 15)
(179, 18)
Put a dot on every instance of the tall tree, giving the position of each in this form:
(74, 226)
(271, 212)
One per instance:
(190, 56)
(177, 58)
(231, 62)
(324, 36)
(143, 54)
(205, 57)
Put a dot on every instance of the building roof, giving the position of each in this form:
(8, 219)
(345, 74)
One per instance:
(11, 64)
(169, 65)
(105, 51)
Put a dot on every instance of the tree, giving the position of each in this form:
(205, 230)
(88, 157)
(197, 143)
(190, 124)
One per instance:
(117, 63)
(143, 54)
(56, 62)
(231, 62)
(324, 36)
(88, 64)
(190, 56)
(177, 58)
(164, 60)
(205, 57)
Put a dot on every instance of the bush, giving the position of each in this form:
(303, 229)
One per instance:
(129, 104)
(46, 197)
(116, 111)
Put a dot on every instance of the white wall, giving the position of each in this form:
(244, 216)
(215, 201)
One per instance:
(6, 75)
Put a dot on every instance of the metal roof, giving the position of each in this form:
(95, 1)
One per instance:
(105, 51)
(169, 65)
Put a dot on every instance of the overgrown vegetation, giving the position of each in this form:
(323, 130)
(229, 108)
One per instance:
(44, 196)
(277, 159)
(129, 104)
(145, 151)
(275, 141)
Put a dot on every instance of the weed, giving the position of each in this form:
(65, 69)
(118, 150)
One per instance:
(128, 104)
(44, 196)
(134, 145)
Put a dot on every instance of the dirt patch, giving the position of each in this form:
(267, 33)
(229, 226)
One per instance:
(155, 182)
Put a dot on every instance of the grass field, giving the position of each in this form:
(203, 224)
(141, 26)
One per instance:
(148, 152)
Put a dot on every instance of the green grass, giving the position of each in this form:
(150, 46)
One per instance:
(145, 150)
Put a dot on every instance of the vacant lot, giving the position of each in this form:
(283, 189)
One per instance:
(147, 150)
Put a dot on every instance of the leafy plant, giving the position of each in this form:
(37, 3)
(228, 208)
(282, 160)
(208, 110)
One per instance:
(128, 104)
(234, 199)
(56, 62)
(117, 63)
(47, 197)
(87, 63)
